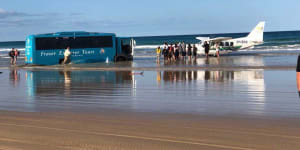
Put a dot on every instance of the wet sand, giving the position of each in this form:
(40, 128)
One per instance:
(147, 131)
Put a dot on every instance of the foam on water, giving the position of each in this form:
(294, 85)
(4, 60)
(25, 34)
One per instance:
(291, 47)
(147, 46)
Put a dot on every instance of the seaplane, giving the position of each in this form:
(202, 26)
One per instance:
(228, 44)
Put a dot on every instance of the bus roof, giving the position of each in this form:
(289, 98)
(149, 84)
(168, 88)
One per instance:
(73, 33)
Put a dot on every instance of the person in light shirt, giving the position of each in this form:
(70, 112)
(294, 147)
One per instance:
(67, 55)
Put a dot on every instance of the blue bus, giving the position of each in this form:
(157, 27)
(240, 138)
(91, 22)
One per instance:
(85, 47)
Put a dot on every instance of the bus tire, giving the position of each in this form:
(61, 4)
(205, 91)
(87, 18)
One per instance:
(120, 58)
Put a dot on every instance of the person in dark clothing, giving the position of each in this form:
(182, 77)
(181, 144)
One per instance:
(12, 55)
(165, 53)
(176, 52)
(189, 52)
(195, 51)
(17, 54)
(183, 51)
(206, 48)
(171, 52)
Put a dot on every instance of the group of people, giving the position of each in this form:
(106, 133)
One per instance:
(179, 51)
(13, 54)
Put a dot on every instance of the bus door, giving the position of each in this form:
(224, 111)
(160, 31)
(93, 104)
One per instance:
(132, 45)
(127, 46)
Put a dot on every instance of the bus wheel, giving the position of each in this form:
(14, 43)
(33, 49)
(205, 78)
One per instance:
(121, 58)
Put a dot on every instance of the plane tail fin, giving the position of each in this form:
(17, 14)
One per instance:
(257, 34)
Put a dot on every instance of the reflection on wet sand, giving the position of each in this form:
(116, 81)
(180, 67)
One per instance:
(250, 82)
(14, 77)
(220, 76)
(75, 82)
(232, 61)
(238, 91)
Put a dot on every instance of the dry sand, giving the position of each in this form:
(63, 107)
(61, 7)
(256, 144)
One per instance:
(110, 130)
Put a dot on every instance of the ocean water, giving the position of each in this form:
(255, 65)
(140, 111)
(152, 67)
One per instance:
(283, 43)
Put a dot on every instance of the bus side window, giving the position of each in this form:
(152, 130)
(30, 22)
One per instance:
(231, 43)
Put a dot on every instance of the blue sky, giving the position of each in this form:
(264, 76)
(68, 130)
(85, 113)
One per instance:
(144, 17)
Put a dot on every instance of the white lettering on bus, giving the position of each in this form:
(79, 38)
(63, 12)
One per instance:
(48, 53)
(75, 53)
(87, 52)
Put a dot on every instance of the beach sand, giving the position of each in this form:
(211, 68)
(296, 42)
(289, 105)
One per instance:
(109, 130)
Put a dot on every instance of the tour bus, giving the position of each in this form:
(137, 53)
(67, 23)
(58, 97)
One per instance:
(85, 47)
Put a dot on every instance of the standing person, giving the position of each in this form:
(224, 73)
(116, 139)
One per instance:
(176, 52)
(171, 52)
(67, 55)
(206, 48)
(180, 50)
(195, 52)
(16, 54)
(189, 52)
(12, 55)
(165, 45)
(183, 50)
(218, 50)
(165, 53)
(158, 51)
